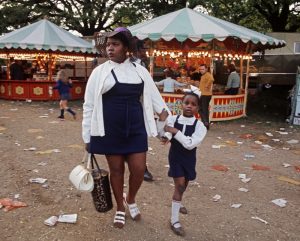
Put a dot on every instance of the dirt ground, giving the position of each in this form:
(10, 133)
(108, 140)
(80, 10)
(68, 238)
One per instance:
(25, 125)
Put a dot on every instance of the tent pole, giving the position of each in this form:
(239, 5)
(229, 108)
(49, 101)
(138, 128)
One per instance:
(74, 68)
(241, 72)
(50, 67)
(8, 67)
(85, 65)
(246, 87)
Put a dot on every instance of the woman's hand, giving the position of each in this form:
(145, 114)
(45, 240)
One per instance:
(87, 147)
(163, 115)
(171, 129)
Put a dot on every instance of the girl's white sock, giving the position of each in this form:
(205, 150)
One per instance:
(175, 213)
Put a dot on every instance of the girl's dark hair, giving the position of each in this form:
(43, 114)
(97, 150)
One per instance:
(231, 68)
(192, 94)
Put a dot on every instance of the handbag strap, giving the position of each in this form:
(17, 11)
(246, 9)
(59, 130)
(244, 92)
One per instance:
(93, 160)
(88, 157)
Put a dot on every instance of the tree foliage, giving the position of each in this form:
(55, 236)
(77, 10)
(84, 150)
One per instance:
(83, 16)
(89, 16)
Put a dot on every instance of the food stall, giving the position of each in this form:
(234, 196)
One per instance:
(41, 49)
(184, 39)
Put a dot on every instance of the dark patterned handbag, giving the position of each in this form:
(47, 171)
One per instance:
(101, 193)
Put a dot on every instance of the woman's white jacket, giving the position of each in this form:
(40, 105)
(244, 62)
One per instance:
(93, 123)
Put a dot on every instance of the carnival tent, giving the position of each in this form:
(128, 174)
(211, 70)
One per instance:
(44, 35)
(187, 24)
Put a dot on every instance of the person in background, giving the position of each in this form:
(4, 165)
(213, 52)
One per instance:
(118, 116)
(169, 83)
(64, 85)
(139, 56)
(206, 84)
(16, 70)
(187, 133)
(233, 82)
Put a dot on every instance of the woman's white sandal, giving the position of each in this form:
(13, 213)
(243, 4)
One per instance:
(119, 220)
(134, 211)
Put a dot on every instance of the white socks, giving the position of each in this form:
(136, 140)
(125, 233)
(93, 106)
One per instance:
(175, 213)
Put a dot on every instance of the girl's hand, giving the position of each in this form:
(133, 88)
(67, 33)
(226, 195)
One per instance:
(171, 129)
(70, 81)
(164, 140)
(163, 115)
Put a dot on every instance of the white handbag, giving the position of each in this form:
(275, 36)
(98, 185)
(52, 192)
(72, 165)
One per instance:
(81, 176)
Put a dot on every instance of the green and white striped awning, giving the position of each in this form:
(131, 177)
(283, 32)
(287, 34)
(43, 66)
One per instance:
(188, 24)
(44, 35)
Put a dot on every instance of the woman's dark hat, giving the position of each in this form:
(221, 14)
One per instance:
(100, 39)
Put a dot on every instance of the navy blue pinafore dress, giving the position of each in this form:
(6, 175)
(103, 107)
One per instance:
(181, 160)
(123, 117)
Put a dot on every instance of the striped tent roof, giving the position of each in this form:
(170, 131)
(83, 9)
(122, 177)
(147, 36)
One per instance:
(44, 35)
(187, 24)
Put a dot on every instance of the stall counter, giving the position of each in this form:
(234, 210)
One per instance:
(222, 107)
(37, 90)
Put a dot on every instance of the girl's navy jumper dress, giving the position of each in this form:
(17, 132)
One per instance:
(181, 160)
(124, 125)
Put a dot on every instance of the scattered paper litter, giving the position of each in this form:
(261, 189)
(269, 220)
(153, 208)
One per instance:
(293, 141)
(16, 196)
(236, 205)
(216, 198)
(246, 180)
(48, 151)
(217, 146)
(258, 142)
(257, 218)
(167, 166)
(17, 144)
(10, 204)
(267, 147)
(275, 140)
(243, 126)
(285, 148)
(260, 167)
(51, 221)
(30, 149)
(212, 188)
(242, 176)
(239, 142)
(150, 148)
(67, 218)
(38, 180)
(286, 165)
(249, 156)
(219, 137)
(280, 202)
(282, 129)
(289, 180)
(42, 164)
(39, 137)
(14, 109)
(283, 132)
(35, 170)
(242, 189)
(269, 134)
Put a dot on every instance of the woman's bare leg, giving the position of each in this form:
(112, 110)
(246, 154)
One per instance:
(136, 166)
(116, 169)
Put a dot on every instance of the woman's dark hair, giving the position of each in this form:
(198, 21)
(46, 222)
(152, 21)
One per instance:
(231, 68)
(191, 94)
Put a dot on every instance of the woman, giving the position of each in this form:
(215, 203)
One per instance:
(63, 85)
(116, 120)
(233, 82)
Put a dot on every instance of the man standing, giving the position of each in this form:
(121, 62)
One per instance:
(206, 84)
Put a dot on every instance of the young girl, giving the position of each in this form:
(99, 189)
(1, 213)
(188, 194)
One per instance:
(187, 133)
(63, 85)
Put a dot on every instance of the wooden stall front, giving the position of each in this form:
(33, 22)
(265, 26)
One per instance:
(222, 107)
(37, 90)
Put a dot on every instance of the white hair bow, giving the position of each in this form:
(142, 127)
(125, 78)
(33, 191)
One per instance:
(194, 90)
